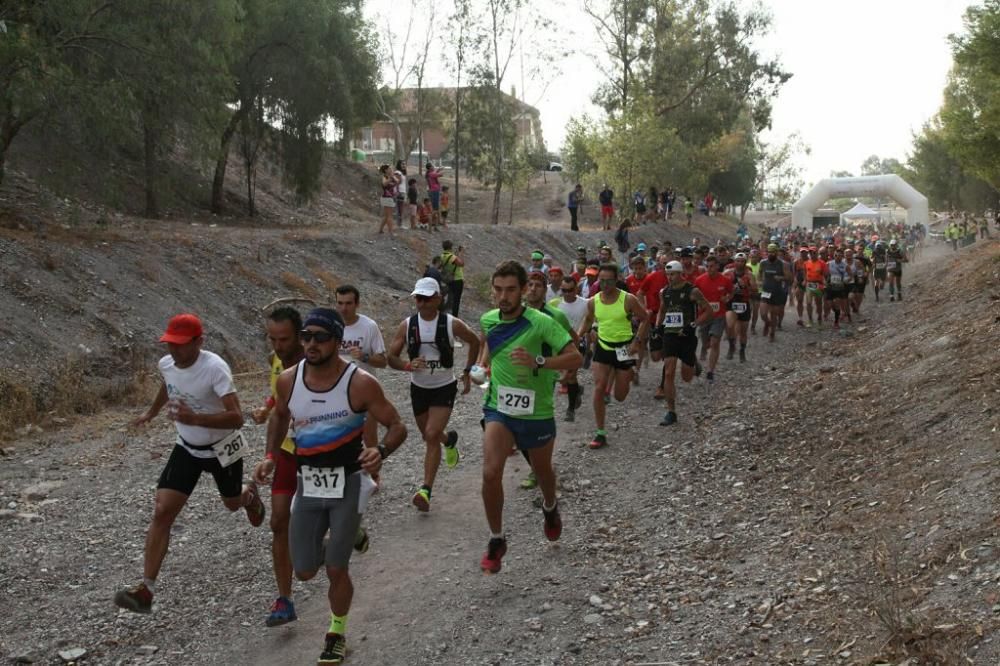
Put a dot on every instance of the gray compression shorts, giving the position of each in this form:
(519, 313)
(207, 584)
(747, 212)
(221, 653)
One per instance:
(312, 517)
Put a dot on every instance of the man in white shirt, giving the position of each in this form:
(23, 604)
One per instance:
(201, 400)
(429, 337)
(362, 344)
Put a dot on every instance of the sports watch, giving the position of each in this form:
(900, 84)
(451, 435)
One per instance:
(540, 361)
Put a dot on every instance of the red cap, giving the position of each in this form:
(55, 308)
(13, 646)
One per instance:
(557, 269)
(182, 329)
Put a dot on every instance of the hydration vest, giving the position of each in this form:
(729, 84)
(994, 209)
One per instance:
(441, 339)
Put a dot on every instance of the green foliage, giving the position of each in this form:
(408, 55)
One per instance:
(876, 166)
(686, 98)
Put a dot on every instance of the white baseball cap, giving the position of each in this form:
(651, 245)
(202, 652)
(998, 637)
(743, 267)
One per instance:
(427, 286)
(674, 267)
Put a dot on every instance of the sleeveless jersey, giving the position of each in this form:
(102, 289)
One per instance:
(678, 301)
(326, 429)
(613, 323)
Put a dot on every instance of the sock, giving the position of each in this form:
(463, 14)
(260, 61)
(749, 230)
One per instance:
(496, 535)
(150, 583)
(602, 431)
(572, 391)
(743, 346)
(338, 624)
(427, 488)
(549, 509)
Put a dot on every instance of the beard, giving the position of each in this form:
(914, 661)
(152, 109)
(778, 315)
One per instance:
(319, 360)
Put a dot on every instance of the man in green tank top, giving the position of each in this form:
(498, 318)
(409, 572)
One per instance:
(617, 348)
(525, 351)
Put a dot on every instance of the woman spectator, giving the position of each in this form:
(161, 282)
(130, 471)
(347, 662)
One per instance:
(390, 183)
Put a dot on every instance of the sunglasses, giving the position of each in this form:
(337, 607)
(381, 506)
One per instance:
(605, 281)
(318, 336)
(422, 299)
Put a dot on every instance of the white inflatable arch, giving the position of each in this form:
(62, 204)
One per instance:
(892, 186)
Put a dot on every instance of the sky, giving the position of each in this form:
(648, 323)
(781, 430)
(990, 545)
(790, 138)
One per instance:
(867, 74)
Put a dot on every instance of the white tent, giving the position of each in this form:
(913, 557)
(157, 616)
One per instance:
(859, 211)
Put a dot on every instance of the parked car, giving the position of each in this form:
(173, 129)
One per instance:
(555, 166)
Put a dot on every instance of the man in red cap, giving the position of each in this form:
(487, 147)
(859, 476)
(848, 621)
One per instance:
(200, 397)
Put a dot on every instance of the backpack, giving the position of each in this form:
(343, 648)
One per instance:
(448, 268)
(441, 339)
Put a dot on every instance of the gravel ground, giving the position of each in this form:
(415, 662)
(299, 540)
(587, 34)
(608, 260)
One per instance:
(833, 500)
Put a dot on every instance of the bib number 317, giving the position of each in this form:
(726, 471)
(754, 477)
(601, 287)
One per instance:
(323, 482)
(515, 401)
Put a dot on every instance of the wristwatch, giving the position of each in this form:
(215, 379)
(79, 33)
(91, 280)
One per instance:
(382, 451)
(540, 361)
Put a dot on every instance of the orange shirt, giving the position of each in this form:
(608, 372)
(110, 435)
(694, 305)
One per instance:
(815, 270)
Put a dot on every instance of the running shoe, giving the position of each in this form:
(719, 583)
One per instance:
(529, 482)
(361, 541)
(570, 415)
(255, 507)
(669, 419)
(282, 612)
(495, 551)
(451, 455)
(743, 356)
(800, 323)
(422, 500)
(553, 523)
(334, 651)
(599, 441)
(137, 599)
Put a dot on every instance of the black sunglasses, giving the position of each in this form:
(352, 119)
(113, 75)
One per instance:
(318, 336)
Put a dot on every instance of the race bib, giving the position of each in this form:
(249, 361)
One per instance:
(765, 295)
(812, 285)
(622, 354)
(515, 402)
(230, 449)
(673, 320)
(739, 308)
(892, 265)
(836, 279)
(323, 482)
(880, 265)
(715, 306)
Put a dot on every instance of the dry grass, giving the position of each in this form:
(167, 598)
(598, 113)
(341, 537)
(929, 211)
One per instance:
(297, 284)
(250, 275)
(329, 280)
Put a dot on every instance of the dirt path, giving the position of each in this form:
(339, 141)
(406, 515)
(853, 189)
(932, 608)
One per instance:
(747, 533)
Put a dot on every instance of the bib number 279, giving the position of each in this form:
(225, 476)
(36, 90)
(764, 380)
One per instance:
(515, 401)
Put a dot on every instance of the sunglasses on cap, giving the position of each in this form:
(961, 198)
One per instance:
(318, 336)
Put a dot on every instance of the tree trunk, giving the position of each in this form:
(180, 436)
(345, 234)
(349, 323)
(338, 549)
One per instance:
(150, 139)
(8, 130)
(510, 218)
(222, 161)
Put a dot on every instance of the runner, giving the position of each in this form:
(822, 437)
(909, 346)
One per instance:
(616, 348)
(879, 272)
(677, 323)
(718, 291)
(754, 266)
(649, 295)
(773, 295)
(837, 273)
(799, 290)
(738, 312)
(862, 267)
(361, 343)
(815, 269)
(575, 309)
(200, 397)
(634, 284)
(522, 347)
(555, 278)
(429, 338)
(327, 403)
(895, 258)
(283, 326)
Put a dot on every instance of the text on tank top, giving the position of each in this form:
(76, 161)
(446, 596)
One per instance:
(678, 302)
(434, 375)
(326, 429)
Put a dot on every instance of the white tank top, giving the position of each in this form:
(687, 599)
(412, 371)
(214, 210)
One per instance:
(325, 427)
(433, 376)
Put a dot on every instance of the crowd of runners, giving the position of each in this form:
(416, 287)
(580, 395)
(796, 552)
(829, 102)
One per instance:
(330, 426)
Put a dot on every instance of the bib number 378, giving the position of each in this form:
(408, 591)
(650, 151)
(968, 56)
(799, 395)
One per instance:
(515, 401)
(323, 482)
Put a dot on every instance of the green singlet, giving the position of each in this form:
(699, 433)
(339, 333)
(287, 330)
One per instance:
(539, 334)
